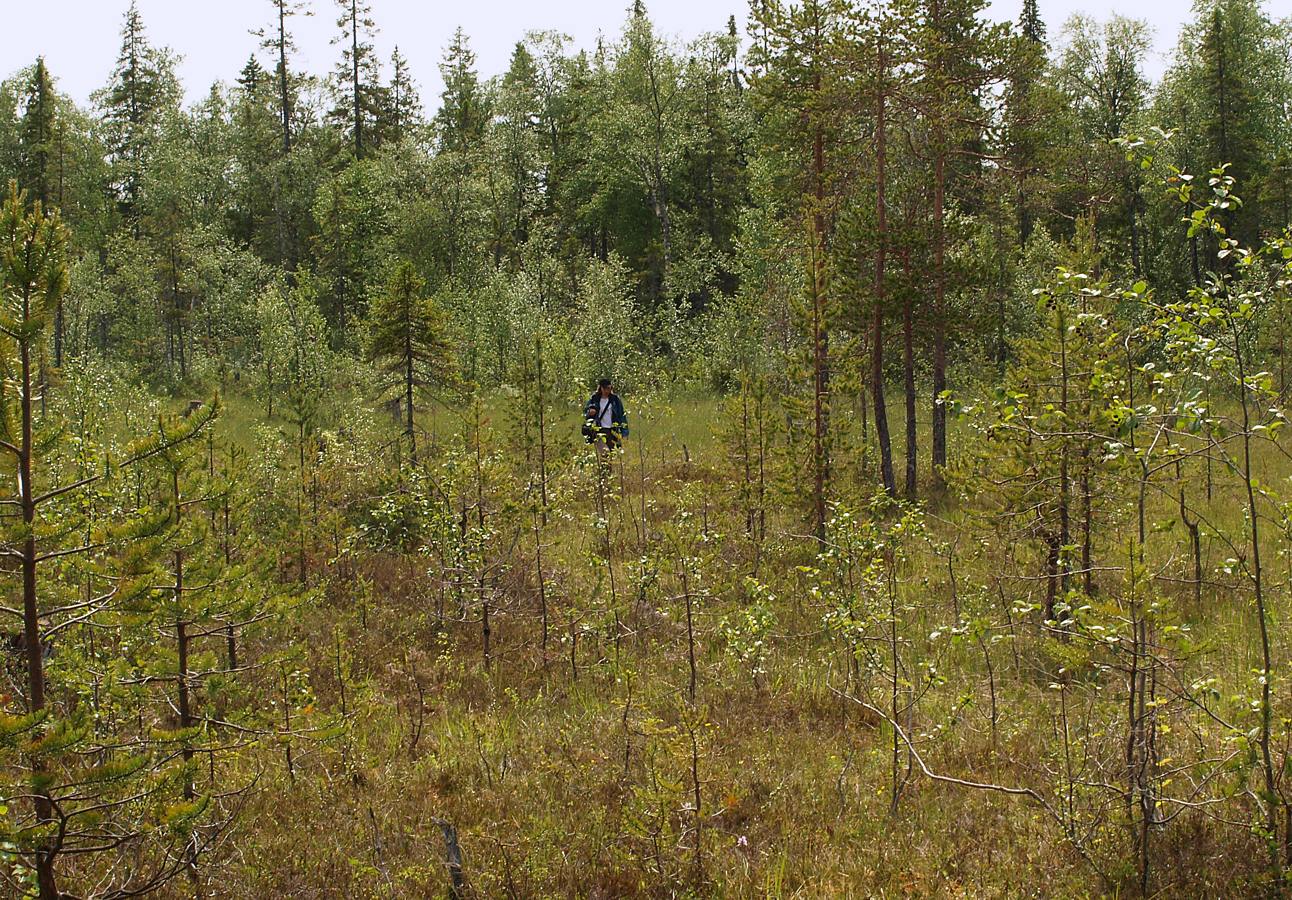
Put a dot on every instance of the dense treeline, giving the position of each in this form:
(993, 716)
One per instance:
(959, 355)
(932, 160)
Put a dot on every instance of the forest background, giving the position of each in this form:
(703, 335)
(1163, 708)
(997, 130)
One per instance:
(948, 554)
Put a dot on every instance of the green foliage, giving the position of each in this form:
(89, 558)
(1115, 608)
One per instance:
(607, 328)
(142, 93)
(378, 588)
(399, 518)
(748, 631)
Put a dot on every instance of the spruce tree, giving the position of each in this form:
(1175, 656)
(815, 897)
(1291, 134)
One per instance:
(464, 108)
(141, 89)
(277, 38)
(1231, 126)
(518, 108)
(41, 162)
(1030, 23)
(403, 106)
(1031, 116)
(37, 134)
(1226, 98)
(407, 341)
(357, 77)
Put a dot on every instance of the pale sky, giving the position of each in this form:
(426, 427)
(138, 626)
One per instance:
(80, 38)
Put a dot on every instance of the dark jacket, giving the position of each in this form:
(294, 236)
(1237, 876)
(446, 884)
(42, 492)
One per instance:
(617, 415)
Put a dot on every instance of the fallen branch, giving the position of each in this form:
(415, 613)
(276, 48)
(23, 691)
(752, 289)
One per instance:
(1009, 790)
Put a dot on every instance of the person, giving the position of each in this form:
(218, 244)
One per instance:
(605, 421)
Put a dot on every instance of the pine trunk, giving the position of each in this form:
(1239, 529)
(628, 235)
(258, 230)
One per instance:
(881, 249)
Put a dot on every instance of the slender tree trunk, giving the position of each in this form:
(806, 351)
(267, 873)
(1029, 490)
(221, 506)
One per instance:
(269, 389)
(184, 705)
(408, 394)
(908, 373)
(820, 339)
(1052, 546)
(287, 723)
(1087, 526)
(690, 626)
(230, 633)
(542, 430)
(178, 312)
(1195, 543)
(1136, 245)
(881, 248)
(283, 227)
(762, 478)
(486, 630)
(1065, 488)
(1002, 347)
(354, 62)
(895, 682)
(1133, 721)
(1222, 122)
(285, 99)
(1140, 748)
(44, 807)
(58, 335)
(939, 450)
(697, 802)
(1265, 738)
(542, 582)
(746, 457)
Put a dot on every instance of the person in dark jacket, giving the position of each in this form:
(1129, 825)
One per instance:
(605, 423)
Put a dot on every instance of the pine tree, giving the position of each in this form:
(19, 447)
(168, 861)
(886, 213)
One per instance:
(794, 69)
(82, 785)
(35, 276)
(883, 67)
(199, 600)
(1047, 424)
(956, 55)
